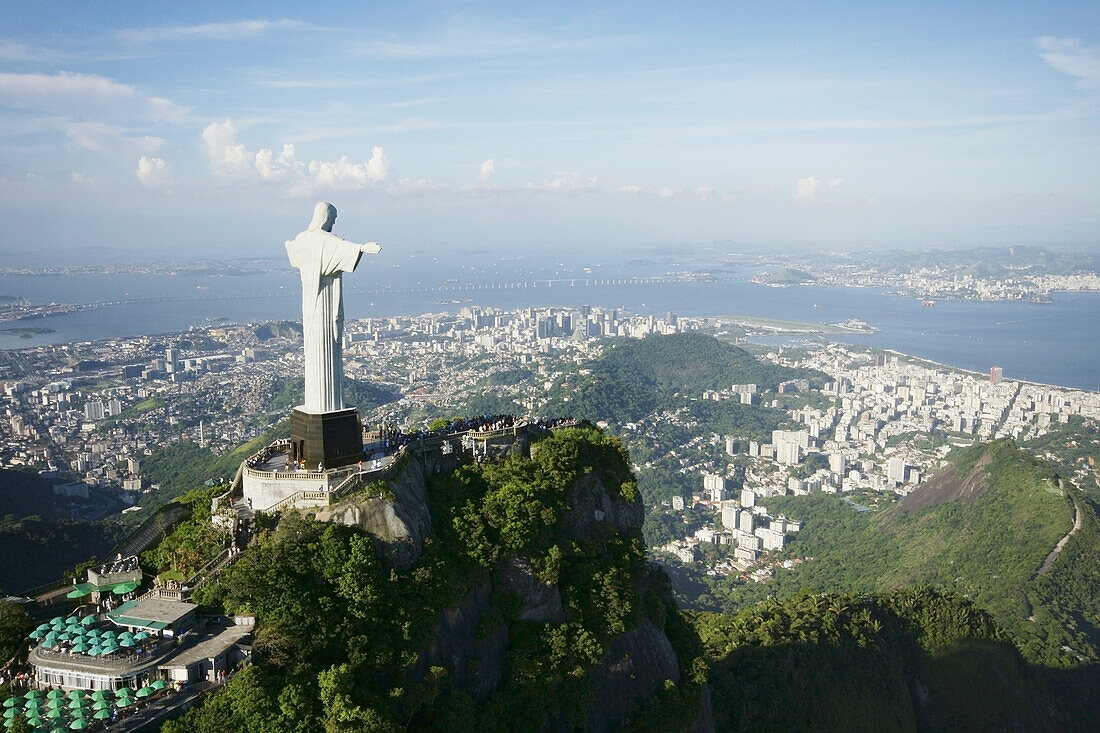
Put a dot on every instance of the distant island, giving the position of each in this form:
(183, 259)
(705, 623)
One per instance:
(783, 277)
(27, 331)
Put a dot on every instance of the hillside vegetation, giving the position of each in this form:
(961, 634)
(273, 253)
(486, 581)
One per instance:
(346, 641)
(902, 661)
(638, 377)
(981, 528)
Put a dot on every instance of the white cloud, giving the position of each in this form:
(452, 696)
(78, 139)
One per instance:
(82, 180)
(153, 172)
(85, 96)
(286, 158)
(666, 192)
(11, 51)
(1068, 56)
(834, 182)
(565, 181)
(487, 170)
(230, 31)
(226, 154)
(806, 188)
(378, 167)
(264, 167)
(103, 138)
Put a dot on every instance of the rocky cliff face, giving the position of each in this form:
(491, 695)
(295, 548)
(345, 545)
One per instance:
(400, 524)
(473, 638)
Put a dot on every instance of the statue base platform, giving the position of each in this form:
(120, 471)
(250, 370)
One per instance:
(330, 439)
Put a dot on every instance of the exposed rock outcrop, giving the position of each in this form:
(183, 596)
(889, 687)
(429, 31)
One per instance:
(400, 524)
(634, 669)
(476, 665)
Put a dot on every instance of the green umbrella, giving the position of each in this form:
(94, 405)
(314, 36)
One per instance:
(57, 620)
(80, 647)
(31, 706)
(79, 724)
(12, 701)
(125, 702)
(64, 636)
(9, 722)
(128, 643)
(101, 705)
(55, 702)
(35, 695)
(102, 714)
(141, 636)
(51, 638)
(101, 695)
(37, 634)
(35, 722)
(77, 705)
(12, 712)
(158, 684)
(93, 651)
(75, 693)
(145, 692)
(72, 621)
(54, 694)
(88, 620)
(56, 713)
(124, 692)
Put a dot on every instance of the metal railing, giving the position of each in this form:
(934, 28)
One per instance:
(155, 653)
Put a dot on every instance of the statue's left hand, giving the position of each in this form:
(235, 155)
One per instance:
(370, 248)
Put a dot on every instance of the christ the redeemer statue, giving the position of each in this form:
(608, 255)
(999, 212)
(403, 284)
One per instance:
(322, 258)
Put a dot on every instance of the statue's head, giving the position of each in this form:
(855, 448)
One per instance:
(324, 214)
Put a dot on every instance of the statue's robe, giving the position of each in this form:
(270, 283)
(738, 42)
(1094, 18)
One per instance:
(322, 258)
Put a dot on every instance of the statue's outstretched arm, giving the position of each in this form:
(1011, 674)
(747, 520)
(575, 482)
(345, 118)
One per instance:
(370, 248)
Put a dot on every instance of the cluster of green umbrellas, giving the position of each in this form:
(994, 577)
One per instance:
(84, 638)
(75, 710)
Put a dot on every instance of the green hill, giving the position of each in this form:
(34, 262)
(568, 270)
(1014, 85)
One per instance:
(521, 611)
(641, 376)
(981, 528)
(901, 661)
(785, 276)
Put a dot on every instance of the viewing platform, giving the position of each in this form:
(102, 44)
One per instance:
(270, 484)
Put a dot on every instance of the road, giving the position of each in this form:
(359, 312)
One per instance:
(1062, 542)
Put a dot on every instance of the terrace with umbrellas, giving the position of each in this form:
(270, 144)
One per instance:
(89, 669)
(57, 710)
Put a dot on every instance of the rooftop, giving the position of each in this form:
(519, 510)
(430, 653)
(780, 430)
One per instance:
(151, 613)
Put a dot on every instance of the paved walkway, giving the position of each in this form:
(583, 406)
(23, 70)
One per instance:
(172, 705)
(1062, 542)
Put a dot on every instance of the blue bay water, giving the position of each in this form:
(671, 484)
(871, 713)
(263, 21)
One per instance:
(1057, 343)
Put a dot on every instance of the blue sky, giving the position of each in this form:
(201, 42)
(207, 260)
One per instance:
(198, 129)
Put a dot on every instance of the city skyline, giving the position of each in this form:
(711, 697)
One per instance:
(212, 132)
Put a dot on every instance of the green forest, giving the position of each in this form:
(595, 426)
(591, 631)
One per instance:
(342, 635)
(638, 377)
(986, 549)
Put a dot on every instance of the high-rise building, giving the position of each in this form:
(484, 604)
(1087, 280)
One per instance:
(94, 410)
(895, 470)
(996, 374)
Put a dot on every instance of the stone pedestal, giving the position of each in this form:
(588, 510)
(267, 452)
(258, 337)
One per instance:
(328, 438)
